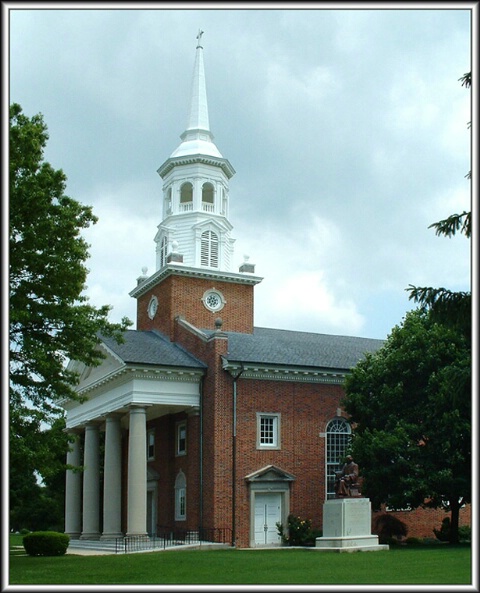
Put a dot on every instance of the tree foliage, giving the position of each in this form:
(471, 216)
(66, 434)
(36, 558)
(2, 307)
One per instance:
(51, 320)
(412, 430)
(34, 452)
(453, 308)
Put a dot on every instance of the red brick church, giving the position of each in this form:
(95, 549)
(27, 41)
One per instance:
(200, 420)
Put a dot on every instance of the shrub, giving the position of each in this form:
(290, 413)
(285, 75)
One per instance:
(443, 534)
(46, 543)
(388, 527)
(299, 532)
(392, 541)
(465, 533)
(414, 541)
(24, 531)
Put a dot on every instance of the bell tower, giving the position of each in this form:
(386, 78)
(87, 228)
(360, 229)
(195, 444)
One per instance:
(195, 190)
(194, 247)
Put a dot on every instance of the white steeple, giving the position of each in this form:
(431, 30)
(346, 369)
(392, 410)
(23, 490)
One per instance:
(197, 137)
(195, 191)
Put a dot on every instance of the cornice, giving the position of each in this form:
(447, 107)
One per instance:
(129, 372)
(180, 270)
(284, 373)
(193, 159)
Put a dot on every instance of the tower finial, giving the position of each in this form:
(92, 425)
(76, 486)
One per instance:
(199, 37)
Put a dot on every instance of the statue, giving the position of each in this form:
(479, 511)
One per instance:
(347, 480)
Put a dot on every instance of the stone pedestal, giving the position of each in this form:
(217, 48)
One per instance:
(347, 527)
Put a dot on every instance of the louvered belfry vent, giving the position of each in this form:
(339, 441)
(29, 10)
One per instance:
(209, 249)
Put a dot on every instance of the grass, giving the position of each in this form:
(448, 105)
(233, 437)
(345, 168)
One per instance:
(409, 565)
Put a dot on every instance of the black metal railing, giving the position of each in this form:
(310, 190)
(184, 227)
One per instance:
(218, 535)
(167, 537)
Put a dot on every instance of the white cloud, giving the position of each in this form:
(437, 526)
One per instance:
(347, 129)
(303, 301)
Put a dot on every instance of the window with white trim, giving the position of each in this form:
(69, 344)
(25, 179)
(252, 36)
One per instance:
(181, 438)
(338, 435)
(151, 445)
(180, 497)
(268, 431)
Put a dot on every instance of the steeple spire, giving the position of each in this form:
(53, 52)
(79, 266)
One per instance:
(198, 107)
(197, 138)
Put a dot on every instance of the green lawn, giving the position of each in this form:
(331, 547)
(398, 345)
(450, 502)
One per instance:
(419, 565)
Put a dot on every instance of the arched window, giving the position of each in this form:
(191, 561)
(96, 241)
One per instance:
(338, 438)
(163, 252)
(209, 249)
(186, 197)
(208, 197)
(180, 497)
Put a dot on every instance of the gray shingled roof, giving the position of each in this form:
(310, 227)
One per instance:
(265, 346)
(294, 348)
(151, 347)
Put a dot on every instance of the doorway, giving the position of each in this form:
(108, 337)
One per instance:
(268, 512)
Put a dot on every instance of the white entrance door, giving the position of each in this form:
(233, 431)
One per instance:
(268, 512)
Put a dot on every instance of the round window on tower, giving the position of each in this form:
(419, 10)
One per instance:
(152, 307)
(213, 300)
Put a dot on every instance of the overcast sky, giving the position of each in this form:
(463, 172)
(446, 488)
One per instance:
(347, 129)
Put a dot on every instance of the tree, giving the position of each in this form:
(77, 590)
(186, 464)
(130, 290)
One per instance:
(411, 432)
(450, 307)
(38, 505)
(51, 320)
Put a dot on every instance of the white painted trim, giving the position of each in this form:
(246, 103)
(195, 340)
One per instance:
(283, 373)
(210, 274)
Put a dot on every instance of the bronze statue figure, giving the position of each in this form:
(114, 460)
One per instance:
(347, 482)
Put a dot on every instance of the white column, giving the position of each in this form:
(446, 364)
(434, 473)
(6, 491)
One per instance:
(137, 473)
(197, 194)
(73, 491)
(91, 484)
(112, 479)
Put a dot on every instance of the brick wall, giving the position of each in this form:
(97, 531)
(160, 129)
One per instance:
(217, 428)
(168, 465)
(181, 296)
(305, 410)
(420, 522)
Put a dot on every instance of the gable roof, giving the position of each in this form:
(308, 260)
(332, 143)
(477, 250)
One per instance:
(294, 348)
(151, 347)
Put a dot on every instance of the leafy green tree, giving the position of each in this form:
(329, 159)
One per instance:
(412, 432)
(51, 320)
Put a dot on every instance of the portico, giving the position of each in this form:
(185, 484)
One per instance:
(119, 403)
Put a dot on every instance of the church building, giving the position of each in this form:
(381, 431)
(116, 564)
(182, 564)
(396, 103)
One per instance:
(200, 421)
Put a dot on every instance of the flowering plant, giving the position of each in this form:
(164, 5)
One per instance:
(298, 533)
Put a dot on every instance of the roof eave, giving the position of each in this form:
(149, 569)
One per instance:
(192, 159)
(282, 372)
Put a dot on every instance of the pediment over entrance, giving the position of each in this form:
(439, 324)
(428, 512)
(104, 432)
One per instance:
(270, 473)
